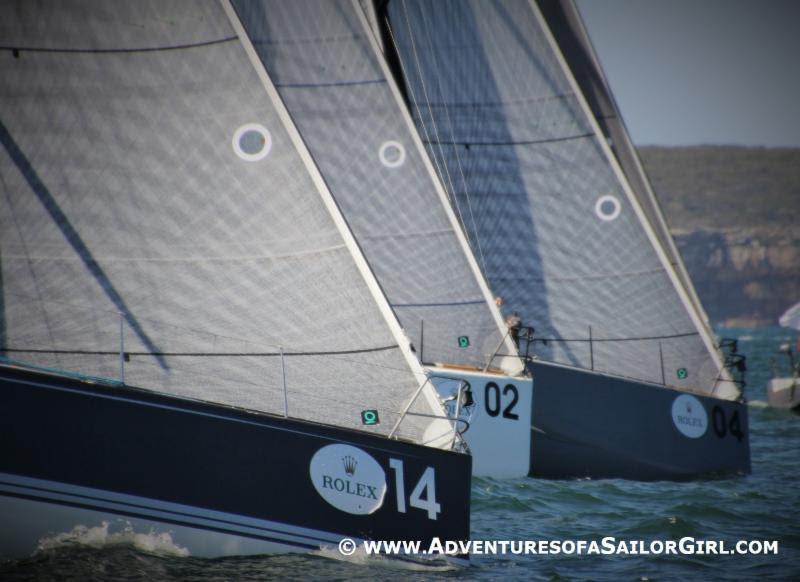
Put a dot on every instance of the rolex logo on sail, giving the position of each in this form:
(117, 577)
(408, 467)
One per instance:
(348, 478)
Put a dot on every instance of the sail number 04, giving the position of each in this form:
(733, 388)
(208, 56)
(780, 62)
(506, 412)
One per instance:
(426, 485)
(722, 426)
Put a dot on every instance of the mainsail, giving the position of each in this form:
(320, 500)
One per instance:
(158, 220)
(564, 241)
(341, 97)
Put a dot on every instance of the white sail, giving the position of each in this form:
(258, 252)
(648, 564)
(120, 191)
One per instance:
(791, 317)
(340, 95)
(564, 21)
(565, 242)
(154, 203)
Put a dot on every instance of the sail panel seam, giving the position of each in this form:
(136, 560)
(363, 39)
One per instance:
(196, 354)
(512, 143)
(20, 49)
(442, 304)
(331, 84)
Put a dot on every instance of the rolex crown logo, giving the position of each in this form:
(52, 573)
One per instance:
(350, 465)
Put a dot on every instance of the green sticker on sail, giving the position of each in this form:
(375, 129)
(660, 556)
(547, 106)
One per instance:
(682, 374)
(369, 417)
(463, 341)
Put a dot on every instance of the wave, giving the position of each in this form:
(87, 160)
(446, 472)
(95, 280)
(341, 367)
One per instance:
(104, 535)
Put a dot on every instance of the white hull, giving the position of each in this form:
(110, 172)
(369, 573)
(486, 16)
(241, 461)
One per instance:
(784, 393)
(499, 433)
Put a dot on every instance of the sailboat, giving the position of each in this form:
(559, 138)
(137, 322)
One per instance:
(628, 380)
(192, 344)
(784, 392)
(331, 73)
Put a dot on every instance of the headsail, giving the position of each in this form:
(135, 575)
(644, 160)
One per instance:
(564, 21)
(565, 241)
(150, 185)
(343, 101)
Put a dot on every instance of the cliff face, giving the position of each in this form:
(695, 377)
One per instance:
(747, 277)
(735, 216)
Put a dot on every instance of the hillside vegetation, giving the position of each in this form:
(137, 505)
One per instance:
(725, 187)
(735, 214)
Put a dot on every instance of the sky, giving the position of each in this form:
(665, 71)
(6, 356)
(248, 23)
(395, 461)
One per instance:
(688, 72)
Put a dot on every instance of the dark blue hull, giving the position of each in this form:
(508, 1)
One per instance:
(188, 464)
(591, 425)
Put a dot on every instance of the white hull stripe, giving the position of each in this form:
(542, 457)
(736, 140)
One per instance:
(173, 513)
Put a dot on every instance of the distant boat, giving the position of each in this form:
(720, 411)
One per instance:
(791, 318)
(191, 341)
(784, 392)
(628, 381)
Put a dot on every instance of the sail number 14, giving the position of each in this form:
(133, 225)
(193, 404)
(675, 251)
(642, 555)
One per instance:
(426, 485)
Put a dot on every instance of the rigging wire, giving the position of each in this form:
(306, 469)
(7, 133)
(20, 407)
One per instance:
(427, 101)
(439, 163)
(436, 67)
(425, 132)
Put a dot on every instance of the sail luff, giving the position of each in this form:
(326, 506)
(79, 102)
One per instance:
(633, 200)
(341, 223)
(373, 25)
(513, 364)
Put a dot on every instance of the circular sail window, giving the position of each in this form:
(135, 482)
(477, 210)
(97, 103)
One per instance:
(252, 142)
(607, 207)
(392, 154)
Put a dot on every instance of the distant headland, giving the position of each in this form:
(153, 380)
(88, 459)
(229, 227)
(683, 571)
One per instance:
(735, 215)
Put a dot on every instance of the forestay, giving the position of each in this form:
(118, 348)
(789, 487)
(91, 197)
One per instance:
(563, 243)
(153, 203)
(319, 55)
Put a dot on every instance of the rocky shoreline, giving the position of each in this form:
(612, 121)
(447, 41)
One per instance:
(735, 216)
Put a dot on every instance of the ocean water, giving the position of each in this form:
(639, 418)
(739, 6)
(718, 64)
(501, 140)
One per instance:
(761, 506)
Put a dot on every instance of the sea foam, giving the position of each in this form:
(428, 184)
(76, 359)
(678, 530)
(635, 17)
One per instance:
(104, 535)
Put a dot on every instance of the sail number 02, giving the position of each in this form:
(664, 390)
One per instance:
(494, 401)
(426, 485)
